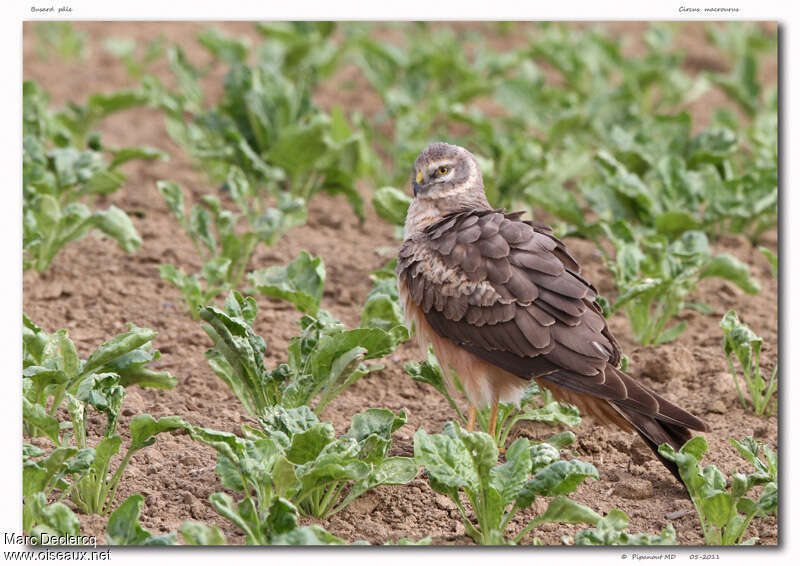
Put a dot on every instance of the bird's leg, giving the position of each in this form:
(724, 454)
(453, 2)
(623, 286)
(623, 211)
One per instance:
(493, 418)
(473, 414)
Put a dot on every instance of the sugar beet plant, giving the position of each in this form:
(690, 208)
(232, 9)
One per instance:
(743, 344)
(223, 248)
(64, 163)
(611, 531)
(655, 276)
(75, 469)
(294, 456)
(267, 126)
(460, 462)
(726, 508)
(323, 360)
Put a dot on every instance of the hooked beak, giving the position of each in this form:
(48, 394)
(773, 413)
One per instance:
(416, 185)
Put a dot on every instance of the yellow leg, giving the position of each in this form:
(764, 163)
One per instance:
(493, 418)
(473, 414)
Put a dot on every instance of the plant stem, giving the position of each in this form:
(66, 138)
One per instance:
(114, 483)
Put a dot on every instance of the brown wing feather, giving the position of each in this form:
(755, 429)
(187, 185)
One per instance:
(509, 292)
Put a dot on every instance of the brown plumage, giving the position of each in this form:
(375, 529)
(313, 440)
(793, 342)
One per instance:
(503, 302)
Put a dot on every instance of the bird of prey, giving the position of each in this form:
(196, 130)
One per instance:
(502, 302)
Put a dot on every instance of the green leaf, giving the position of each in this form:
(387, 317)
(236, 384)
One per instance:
(200, 534)
(302, 282)
(124, 529)
(144, 427)
(226, 443)
(173, 195)
(728, 267)
(102, 105)
(142, 152)
(37, 416)
(671, 333)
(561, 477)
(308, 444)
(543, 455)
(674, 223)
(230, 50)
(275, 222)
(367, 342)
(718, 508)
(447, 460)
(395, 471)
(391, 204)
(238, 358)
(54, 519)
(509, 477)
(381, 422)
(383, 311)
(119, 345)
(771, 258)
(300, 145)
(118, 225)
(564, 510)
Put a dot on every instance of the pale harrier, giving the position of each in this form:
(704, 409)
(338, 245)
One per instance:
(502, 302)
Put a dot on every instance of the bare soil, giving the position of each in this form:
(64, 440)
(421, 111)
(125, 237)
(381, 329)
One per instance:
(93, 289)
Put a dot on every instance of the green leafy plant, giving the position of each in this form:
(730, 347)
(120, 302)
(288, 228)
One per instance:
(723, 508)
(136, 59)
(296, 458)
(743, 343)
(200, 534)
(50, 520)
(62, 165)
(276, 526)
(721, 512)
(722, 180)
(382, 307)
(52, 369)
(742, 43)
(324, 360)
(772, 259)
(610, 531)
(331, 472)
(41, 475)
(654, 277)
(301, 282)
(392, 205)
(267, 126)
(459, 462)
(223, 47)
(123, 526)
(224, 251)
(94, 492)
(60, 38)
(546, 410)
(302, 49)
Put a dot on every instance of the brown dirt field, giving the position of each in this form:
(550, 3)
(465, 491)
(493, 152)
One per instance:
(93, 288)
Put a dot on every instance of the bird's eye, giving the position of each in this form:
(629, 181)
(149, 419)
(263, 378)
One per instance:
(442, 170)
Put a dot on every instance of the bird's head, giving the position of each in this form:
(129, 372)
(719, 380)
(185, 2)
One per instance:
(446, 179)
(449, 172)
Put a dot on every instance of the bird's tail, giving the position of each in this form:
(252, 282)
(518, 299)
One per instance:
(669, 424)
(655, 433)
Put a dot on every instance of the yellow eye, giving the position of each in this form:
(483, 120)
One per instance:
(442, 170)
